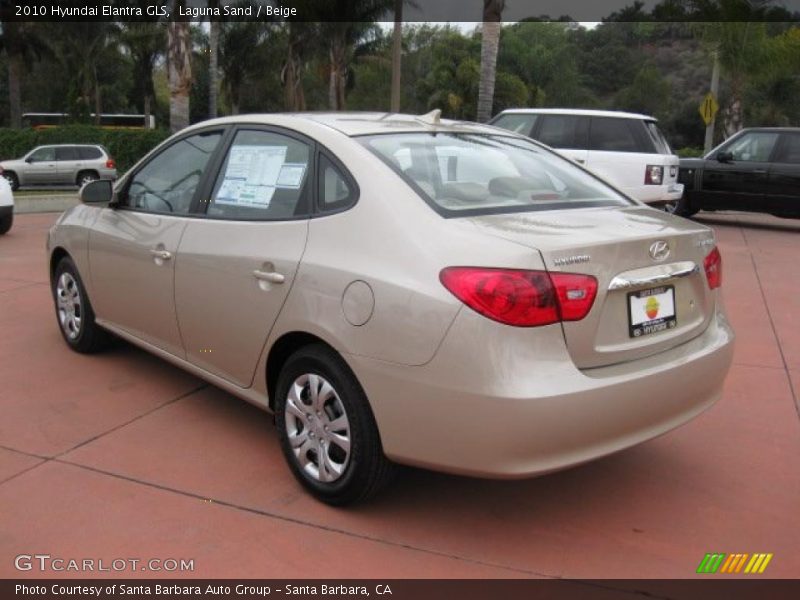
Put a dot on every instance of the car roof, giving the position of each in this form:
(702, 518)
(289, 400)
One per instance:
(362, 123)
(586, 112)
(69, 145)
(776, 129)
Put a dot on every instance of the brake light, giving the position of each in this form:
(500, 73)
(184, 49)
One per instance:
(713, 266)
(522, 298)
(653, 174)
(110, 164)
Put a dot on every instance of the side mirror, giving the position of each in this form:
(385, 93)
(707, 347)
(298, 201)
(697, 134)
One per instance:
(29, 160)
(725, 157)
(97, 192)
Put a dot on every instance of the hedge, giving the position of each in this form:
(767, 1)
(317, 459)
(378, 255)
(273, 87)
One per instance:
(125, 145)
(689, 152)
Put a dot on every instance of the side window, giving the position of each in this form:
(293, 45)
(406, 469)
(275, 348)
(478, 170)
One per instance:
(790, 151)
(755, 146)
(89, 152)
(66, 153)
(167, 183)
(43, 155)
(518, 123)
(263, 177)
(335, 193)
(613, 135)
(563, 131)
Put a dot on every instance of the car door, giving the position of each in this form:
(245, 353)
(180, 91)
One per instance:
(568, 134)
(783, 190)
(736, 176)
(42, 167)
(133, 246)
(67, 158)
(235, 266)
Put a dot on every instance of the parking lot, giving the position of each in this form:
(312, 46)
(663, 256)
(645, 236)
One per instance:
(121, 455)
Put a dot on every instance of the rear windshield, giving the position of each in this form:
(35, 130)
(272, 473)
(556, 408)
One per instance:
(467, 174)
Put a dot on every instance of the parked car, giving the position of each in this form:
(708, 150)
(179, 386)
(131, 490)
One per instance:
(627, 149)
(60, 164)
(6, 207)
(756, 170)
(358, 275)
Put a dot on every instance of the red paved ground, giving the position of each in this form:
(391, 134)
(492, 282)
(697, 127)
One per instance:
(123, 456)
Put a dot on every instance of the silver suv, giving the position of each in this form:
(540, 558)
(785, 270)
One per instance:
(70, 164)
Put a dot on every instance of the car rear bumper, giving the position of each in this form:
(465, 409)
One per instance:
(657, 194)
(494, 409)
(107, 174)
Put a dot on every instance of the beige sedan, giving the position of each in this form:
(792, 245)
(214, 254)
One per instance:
(400, 289)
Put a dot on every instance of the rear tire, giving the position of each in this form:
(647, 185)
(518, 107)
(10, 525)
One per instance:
(681, 207)
(327, 430)
(12, 179)
(74, 313)
(85, 177)
(5, 223)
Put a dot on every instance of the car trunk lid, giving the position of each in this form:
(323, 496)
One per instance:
(652, 292)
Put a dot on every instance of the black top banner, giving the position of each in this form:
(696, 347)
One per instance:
(412, 10)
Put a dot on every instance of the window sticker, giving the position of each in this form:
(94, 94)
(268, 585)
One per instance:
(291, 176)
(251, 176)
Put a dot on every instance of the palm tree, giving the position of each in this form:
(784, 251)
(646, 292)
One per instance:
(343, 23)
(22, 43)
(213, 53)
(179, 67)
(238, 56)
(490, 44)
(145, 42)
(397, 53)
(300, 36)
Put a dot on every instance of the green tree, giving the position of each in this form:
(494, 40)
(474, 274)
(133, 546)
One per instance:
(179, 69)
(490, 44)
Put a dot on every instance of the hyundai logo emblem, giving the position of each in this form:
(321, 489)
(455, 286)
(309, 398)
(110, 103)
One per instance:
(659, 250)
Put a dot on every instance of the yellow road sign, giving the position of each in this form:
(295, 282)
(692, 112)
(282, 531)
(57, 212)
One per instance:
(708, 108)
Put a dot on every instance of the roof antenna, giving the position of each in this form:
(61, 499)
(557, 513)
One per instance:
(432, 118)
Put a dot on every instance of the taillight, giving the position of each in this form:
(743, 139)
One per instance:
(713, 266)
(522, 298)
(110, 164)
(576, 294)
(653, 174)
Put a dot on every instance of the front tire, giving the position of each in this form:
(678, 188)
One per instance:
(74, 312)
(5, 223)
(327, 430)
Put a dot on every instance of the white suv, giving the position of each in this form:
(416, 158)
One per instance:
(626, 149)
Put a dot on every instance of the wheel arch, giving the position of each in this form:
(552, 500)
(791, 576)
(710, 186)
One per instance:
(94, 172)
(58, 253)
(286, 345)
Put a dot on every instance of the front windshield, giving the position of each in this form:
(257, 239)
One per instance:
(462, 174)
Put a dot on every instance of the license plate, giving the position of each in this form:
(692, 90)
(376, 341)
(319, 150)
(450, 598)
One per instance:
(651, 311)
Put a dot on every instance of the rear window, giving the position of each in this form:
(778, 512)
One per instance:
(518, 123)
(464, 174)
(66, 153)
(614, 135)
(89, 152)
(566, 132)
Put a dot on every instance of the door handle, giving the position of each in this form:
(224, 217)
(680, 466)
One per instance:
(759, 171)
(270, 276)
(162, 254)
(580, 160)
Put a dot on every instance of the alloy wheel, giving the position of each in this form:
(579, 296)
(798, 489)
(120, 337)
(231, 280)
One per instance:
(70, 310)
(317, 428)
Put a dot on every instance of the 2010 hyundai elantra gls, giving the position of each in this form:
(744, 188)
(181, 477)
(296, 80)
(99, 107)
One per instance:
(400, 289)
